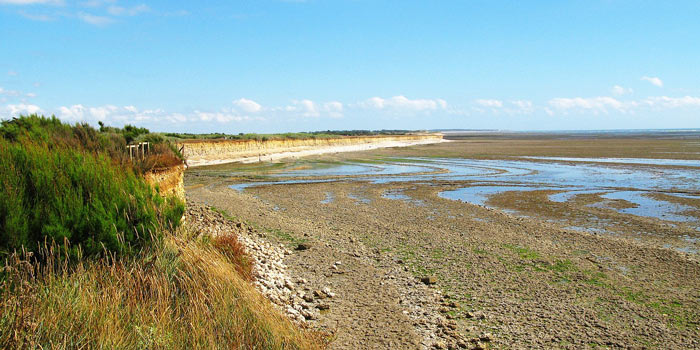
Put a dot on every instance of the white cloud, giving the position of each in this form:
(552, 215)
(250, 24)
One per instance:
(489, 103)
(673, 102)
(306, 108)
(220, 117)
(654, 80)
(30, 94)
(522, 106)
(514, 107)
(11, 73)
(12, 93)
(402, 103)
(31, 2)
(373, 102)
(101, 113)
(94, 19)
(619, 90)
(17, 109)
(128, 11)
(333, 109)
(73, 113)
(309, 109)
(248, 106)
(114, 115)
(594, 104)
(96, 3)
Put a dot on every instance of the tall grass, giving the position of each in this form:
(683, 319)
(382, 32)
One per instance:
(60, 193)
(89, 259)
(60, 183)
(182, 294)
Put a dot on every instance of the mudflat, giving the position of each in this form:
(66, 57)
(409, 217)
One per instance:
(488, 241)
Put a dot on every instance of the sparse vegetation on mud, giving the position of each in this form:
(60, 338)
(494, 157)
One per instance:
(528, 279)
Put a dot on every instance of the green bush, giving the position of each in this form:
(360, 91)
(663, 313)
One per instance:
(60, 183)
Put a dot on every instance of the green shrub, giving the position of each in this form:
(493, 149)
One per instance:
(60, 183)
(131, 132)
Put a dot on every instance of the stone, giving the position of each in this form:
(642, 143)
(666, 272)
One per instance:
(309, 315)
(429, 280)
(323, 306)
(440, 345)
(486, 337)
(303, 246)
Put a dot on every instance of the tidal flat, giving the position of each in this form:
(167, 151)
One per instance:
(491, 241)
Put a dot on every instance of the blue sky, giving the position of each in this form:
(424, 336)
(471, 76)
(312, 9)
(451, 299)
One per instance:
(275, 66)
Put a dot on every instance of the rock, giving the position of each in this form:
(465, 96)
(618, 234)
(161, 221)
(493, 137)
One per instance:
(319, 294)
(323, 306)
(309, 315)
(486, 337)
(303, 246)
(308, 298)
(429, 280)
(440, 345)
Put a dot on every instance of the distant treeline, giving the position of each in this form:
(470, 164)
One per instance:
(285, 136)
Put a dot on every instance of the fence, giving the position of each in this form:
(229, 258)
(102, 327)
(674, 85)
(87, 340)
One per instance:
(139, 150)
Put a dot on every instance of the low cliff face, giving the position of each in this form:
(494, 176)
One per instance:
(200, 151)
(170, 181)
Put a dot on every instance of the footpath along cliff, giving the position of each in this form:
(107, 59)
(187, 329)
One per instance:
(209, 152)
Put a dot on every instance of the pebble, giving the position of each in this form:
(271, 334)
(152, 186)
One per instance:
(303, 246)
(269, 270)
(429, 280)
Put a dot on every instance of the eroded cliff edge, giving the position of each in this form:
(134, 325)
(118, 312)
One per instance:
(209, 152)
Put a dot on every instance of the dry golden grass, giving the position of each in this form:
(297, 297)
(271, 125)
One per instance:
(184, 294)
(228, 245)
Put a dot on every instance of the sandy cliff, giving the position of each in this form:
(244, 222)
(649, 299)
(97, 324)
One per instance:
(207, 152)
(170, 181)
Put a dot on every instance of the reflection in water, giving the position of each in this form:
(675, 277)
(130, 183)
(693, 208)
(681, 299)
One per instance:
(650, 207)
(359, 199)
(480, 194)
(329, 198)
(646, 161)
(399, 195)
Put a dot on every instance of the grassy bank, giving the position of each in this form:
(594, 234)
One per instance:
(181, 293)
(94, 257)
